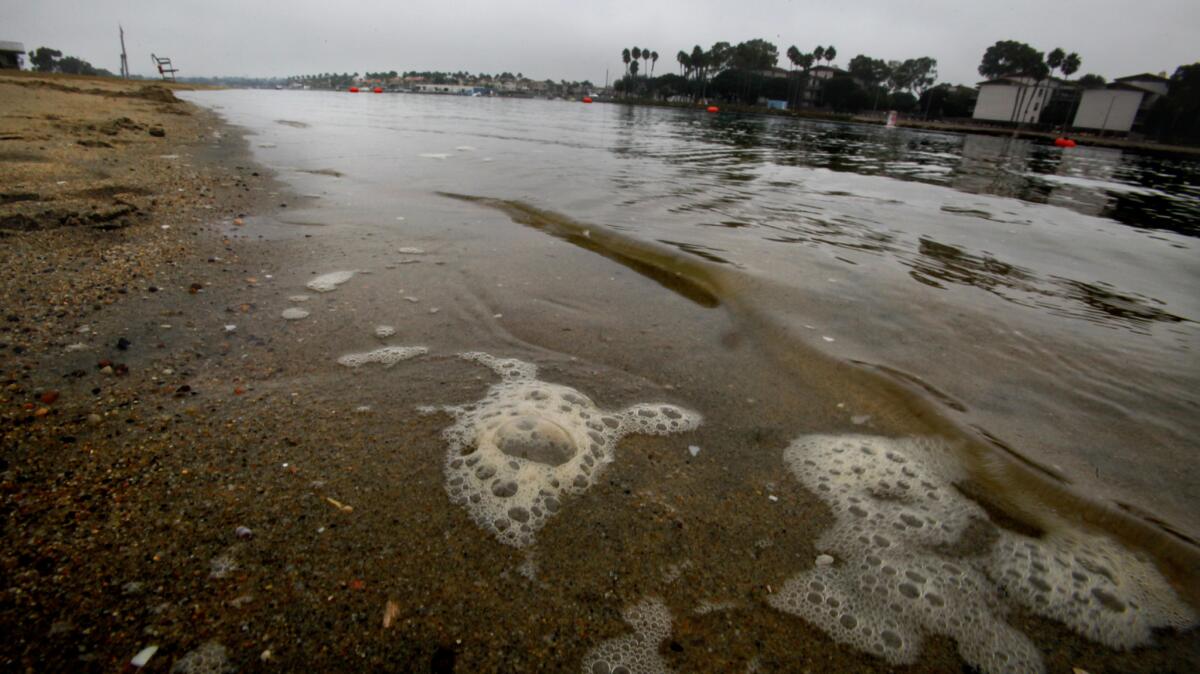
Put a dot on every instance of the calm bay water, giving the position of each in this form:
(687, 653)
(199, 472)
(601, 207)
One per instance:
(1041, 300)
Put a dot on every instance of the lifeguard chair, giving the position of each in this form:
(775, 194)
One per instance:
(165, 69)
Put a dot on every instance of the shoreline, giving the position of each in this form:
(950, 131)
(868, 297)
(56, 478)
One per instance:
(1084, 140)
(128, 531)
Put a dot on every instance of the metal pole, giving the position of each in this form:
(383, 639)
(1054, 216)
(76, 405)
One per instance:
(124, 58)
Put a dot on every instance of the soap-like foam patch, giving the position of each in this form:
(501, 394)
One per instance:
(294, 313)
(329, 282)
(1098, 588)
(210, 658)
(891, 584)
(387, 356)
(635, 653)
(516, 453)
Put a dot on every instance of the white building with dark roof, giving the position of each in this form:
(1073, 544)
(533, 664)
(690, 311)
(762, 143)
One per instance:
(12, 55)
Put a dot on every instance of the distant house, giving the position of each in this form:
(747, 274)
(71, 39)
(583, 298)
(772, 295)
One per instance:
(1017, 99)
(12, 55)
(1121, 106)
(1113, 108)
(818, 77)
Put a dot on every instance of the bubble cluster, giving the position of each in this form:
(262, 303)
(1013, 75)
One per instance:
(516, 453)
(329, 282)
(386, 356)
(635, 653)
(891, 582)
(1096, 587)
(211, 658)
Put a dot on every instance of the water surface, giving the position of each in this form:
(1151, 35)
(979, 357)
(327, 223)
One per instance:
(1034, 306)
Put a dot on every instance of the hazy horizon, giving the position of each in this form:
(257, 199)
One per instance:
(574, 41)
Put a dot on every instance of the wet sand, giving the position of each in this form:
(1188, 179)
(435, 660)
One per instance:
(123, 502)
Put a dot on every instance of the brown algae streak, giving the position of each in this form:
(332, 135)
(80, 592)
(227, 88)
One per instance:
(1015, 487)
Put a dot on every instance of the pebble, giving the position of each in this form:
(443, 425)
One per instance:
(824, 560)
(244, 533)
(143, 656)
(694, 449)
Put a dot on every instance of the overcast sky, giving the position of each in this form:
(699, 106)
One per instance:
(579, 39)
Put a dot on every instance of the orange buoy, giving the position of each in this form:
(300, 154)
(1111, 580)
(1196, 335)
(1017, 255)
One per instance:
(587, 99)
(1064, 142)
(354, 90)
(713, 108)
(378, 90)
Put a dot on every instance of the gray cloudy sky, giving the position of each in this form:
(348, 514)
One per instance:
(573, 39)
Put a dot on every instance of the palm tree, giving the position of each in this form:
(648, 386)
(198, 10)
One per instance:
(637, 54)
(626, 56)
(653, 60)
(794, 56)
(819, 53)
(684, 63)
(830, 54)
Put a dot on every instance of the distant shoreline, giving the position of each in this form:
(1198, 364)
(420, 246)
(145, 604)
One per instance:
(1084, 140)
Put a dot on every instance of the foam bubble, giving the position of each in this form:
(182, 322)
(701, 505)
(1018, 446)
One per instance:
(387, 356)
(635, 653)
(294, 313)
(408, 250)
(1095, 586)
(210, 658)
(516, 453)
(329, 282)
(891, 582)
(382, 331)
(434, 155)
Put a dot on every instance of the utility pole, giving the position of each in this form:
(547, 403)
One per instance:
(124, 59)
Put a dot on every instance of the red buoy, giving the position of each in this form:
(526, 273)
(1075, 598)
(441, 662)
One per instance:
(354, 90)
(713, 108)
(587, 99)
(1064, 142)
(378, 90)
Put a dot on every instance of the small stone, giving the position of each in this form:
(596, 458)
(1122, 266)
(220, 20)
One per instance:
(824, 560)
(49, 397)
(244, 533)
(694, 449)
(123, 344)
(94, 418)
(107, 369)
(157, 131)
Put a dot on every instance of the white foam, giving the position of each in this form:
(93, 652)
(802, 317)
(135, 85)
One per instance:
(635, 653)
(434, 155)
(210, 658)
(1095, 586)
(891, 582)
(387, 356)
(514, 454)
(382, 331)
(408, 250)
(294, 313)
(298, 298)
(329, 282)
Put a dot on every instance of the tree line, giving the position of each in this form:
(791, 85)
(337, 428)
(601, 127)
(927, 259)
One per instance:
(47, 60)
(747, 71)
